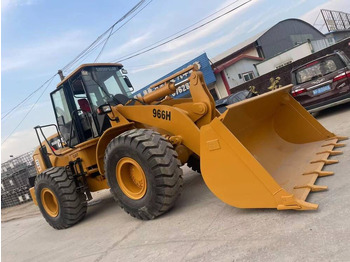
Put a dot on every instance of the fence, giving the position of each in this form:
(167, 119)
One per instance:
(14, 180)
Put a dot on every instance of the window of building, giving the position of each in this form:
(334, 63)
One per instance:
(20, 198)
(26, 196)
(248, 76)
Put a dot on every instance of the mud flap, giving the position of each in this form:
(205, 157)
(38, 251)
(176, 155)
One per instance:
(266, 152)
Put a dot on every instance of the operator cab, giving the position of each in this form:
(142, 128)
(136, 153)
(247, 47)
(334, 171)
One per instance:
(77, 97)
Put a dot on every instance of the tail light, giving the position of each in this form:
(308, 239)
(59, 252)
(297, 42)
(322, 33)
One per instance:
(341, 76)
(298, 91)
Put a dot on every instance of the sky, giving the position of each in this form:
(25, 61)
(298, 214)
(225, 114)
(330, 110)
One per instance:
(39, 37)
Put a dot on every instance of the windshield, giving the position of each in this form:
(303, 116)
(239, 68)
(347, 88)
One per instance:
(318, 69)
(102, 83)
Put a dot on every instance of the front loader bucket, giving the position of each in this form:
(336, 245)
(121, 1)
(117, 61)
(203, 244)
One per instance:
(266, 152)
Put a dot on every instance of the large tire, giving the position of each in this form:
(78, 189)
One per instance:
(193, 162)
(59, 202)
(157, 183)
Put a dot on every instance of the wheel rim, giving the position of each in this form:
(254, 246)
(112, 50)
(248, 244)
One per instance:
(49, 201)
(131, 178)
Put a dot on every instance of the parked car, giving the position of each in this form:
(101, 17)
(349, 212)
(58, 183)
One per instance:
(231, 99)
(322, 83)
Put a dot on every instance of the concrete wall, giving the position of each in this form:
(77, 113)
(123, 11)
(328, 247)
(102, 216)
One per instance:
(320, 44)
(232, 75)
(251, 51)
(285, 58)
(339, 35)
(292, 55)
(219, 87)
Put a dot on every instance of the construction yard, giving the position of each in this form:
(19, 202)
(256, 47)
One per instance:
(199, 228)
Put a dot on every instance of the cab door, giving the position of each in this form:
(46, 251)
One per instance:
(63, 109)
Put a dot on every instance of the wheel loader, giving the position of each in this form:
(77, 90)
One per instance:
(264, 152)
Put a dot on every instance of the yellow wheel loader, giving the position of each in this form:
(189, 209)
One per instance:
(264, 152)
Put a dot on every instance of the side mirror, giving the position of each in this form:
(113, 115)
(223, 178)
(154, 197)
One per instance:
(128, 83)
(124, 71)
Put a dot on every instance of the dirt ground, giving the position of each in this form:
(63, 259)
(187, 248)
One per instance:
(199, 228)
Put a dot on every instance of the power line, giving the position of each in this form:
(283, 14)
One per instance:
(25, 99)
(99, 40)
(179, 36)
(92, 49)
(95, 44)
(25, 116)
(111, 31)
(180, 30)
(316, 18)
(104, 45)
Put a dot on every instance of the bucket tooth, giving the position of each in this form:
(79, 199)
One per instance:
(325, 161)
(298, 205)
(320, 173)
(325, 173)
(330, 152)
(334, 144)
(340, 138)
(313, 188)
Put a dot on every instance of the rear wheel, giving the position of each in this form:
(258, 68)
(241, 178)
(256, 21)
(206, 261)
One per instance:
(143, 173)
(59, 202)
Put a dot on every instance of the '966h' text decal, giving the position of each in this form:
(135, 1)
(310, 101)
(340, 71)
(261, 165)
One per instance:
(162, 114)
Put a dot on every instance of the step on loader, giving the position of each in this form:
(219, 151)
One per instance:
(264, 152)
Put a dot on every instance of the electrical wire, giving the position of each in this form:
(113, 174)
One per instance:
(180, 30)
(97, 45)
(31, 108)
(179, 36)
(316, 18)
(98, 41)
(111, 31)
(94, 44)
(25, 99)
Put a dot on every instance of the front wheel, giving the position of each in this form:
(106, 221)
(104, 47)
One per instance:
(143, 173)
(59, 202)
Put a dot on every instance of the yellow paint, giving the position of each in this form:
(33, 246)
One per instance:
(32, 194)
(266, 144)
(49, 202)
(106, 137)
(255, 155)
(131, 178)
(97, 183)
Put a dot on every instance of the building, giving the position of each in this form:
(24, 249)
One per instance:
(289, 56)
(282, 44)
(183, 91)
(237, 65)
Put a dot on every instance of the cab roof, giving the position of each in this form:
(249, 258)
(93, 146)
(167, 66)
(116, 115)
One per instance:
(81, 67)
